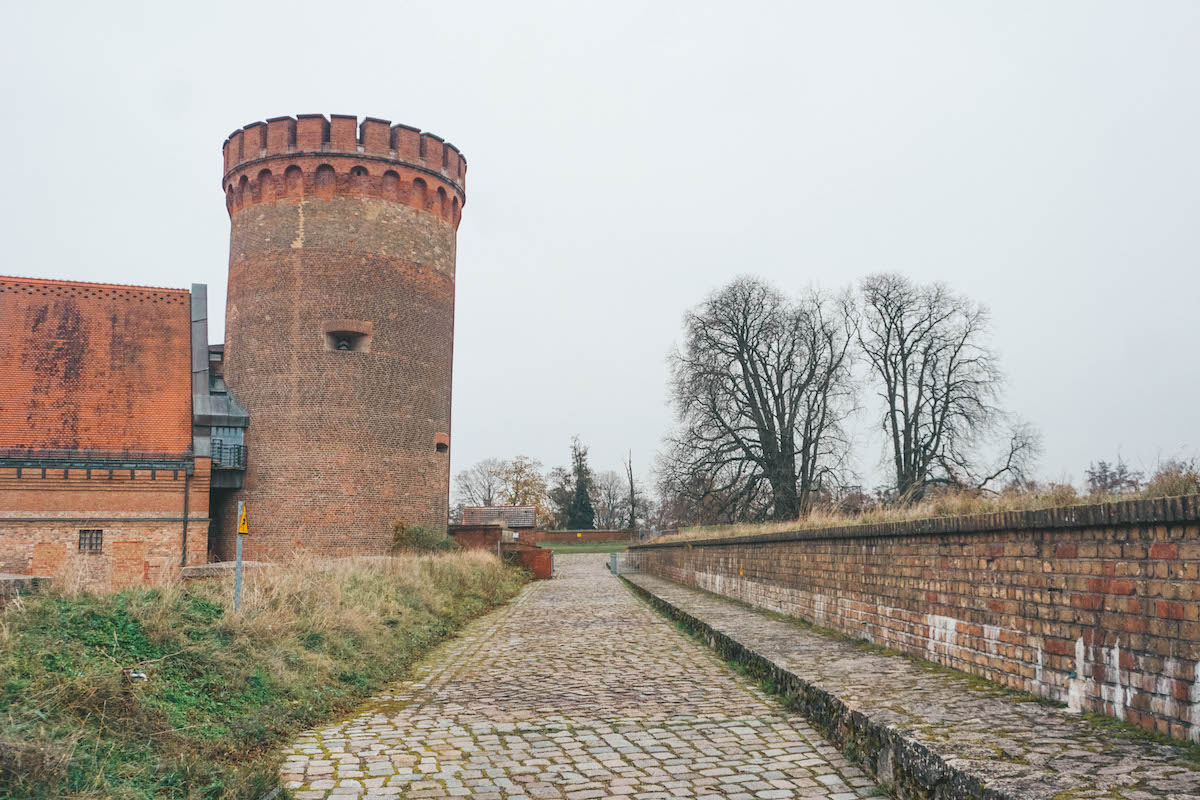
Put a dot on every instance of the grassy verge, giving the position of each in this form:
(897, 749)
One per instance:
(565, 548)
(221, 691)
(938, 505)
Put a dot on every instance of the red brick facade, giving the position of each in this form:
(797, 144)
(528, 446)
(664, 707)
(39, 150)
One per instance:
(96, 433)
(1097, 607)
(341, 234)
(92, 366)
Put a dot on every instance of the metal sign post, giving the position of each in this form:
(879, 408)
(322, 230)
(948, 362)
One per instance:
(242, 529)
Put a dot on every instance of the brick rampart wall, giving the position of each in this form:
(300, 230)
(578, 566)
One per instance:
(478, 537)
(1097, 607)
(538, 560)
(582, 536)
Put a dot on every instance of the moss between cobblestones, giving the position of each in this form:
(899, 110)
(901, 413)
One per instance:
(1126, 730)
(220, 691)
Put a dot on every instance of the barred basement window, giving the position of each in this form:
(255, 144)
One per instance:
(91, 541)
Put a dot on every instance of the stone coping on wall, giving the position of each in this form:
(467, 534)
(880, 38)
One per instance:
(1164, 511)
(925, 731)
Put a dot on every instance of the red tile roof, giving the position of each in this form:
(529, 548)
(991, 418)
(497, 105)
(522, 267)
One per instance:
(513, 516)
(94, 366)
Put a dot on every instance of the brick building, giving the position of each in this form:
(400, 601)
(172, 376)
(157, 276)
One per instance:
(517, 518)
(104, 472)
(123, 451)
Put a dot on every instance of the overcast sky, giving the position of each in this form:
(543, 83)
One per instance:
(627, 158)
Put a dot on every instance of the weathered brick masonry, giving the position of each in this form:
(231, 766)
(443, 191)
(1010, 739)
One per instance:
(515, 547)
(141, 516)
(585, 536)
(343, 236)
(96, 433)
(1096, 606)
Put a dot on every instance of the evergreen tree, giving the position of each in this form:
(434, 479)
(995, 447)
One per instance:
(580, 514)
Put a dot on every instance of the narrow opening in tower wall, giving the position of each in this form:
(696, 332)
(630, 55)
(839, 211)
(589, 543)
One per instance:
(347, 341)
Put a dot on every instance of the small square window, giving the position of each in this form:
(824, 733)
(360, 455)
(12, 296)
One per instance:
(347, 341)
(91, 541)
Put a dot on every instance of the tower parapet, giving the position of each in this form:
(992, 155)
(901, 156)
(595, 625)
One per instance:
(339, 156)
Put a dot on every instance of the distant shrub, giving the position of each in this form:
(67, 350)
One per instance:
(421, 539)
(1174, 477)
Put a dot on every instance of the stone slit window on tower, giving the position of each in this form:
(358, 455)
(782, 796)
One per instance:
(348, 336)
(91, 541)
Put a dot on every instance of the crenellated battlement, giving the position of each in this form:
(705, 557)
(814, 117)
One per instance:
(313, 155)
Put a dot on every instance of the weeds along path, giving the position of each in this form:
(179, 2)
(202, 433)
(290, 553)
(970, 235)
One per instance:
(164, 692)
(576, 690)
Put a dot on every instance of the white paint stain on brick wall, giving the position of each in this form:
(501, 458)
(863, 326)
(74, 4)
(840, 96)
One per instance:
(1195, 713)
(1037, 673)
(943, 631)
(1076, 690)
(991, 636)
(820, 609)
(1163, 700)
(1116, 692)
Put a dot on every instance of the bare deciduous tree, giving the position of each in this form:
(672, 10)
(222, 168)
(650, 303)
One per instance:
(939, 382)
(481, 484)
(608, 499)
(634, 497)
(760, 386)
(496, 482)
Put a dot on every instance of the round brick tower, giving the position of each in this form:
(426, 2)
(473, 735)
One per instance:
(339, 330)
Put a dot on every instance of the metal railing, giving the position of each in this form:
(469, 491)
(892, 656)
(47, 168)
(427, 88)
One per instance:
(226, 455)
(625, 563)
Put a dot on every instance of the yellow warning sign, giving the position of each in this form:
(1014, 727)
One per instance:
(579, 536)
(242, 526)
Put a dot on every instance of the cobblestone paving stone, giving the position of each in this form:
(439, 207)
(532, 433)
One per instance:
(1026, 749)
(576, 690)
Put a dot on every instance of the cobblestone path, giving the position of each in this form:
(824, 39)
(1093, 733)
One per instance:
(576, 690)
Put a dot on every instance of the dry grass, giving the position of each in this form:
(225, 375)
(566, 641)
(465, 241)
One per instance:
(942, 504)
(222, 691)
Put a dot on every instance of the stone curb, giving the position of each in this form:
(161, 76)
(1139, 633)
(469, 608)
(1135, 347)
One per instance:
(904, 765)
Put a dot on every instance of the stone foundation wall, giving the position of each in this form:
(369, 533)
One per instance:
(1096, 607)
